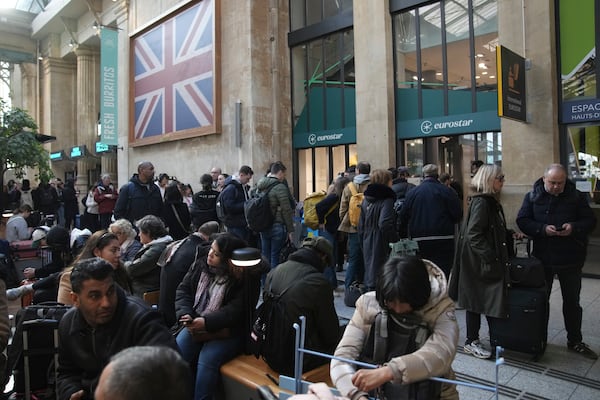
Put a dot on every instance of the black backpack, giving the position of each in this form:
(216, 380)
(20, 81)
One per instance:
(396, 335)
(273, 336)
(220, 207)
(257, 210)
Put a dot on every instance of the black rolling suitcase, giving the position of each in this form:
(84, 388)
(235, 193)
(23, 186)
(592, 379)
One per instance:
(526, 328)
(33, 353)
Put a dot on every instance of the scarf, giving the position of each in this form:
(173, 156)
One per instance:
(210, 292)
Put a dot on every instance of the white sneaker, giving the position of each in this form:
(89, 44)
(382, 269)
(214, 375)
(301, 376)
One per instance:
(18, 292)
(476, 349)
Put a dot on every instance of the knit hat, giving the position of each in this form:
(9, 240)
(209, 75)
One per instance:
(321, 245)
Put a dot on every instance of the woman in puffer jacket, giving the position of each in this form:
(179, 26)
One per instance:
(406, 285)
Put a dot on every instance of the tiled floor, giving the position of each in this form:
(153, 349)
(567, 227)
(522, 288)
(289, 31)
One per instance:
(559, 374)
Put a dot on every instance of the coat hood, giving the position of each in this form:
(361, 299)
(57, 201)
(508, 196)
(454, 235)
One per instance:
(538, 187)
(361, 178)
(266, 182)
(377, 191)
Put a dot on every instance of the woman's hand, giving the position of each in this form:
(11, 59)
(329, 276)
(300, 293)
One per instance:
(29, 273)
(194, 325)
(369, 379)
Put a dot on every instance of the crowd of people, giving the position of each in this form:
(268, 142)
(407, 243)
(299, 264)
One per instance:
(157, 235)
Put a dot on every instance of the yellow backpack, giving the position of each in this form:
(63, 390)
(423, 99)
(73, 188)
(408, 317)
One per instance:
(354, 205)
(311, 219)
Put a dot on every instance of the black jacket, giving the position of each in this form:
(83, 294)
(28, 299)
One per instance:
(173, 267)
(377, 229)
(328, 211)
(178, 228)
(233, 198)
(85, 351)
(137, 200)
(310, 295)
(540, 208)
(203, 208)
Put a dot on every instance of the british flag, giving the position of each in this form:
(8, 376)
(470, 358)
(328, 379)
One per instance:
(173, 74)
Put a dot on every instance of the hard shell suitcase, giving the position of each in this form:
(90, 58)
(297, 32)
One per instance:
(526, 328)
(22, 249)
(33, 352)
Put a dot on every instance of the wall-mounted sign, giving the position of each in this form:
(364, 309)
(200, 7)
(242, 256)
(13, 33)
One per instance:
(332, 137)
(102, 148)
(109, 111)
(78, 152)
(485, 121)
(57, 156)
(512, 99)
(580, 111)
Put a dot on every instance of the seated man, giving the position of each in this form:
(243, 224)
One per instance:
(305, 291)
(16, 227)
(406, 286)
(103, 322)
(145, 372)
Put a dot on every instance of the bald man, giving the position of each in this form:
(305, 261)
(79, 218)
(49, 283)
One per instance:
(140, 196)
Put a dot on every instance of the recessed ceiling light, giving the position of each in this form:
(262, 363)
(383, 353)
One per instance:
(438, 74)
(484, 73)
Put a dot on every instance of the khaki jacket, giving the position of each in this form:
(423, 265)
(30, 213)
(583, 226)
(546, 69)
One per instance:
(344, 203)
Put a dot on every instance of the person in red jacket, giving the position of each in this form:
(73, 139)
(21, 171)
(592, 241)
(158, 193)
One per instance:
(106, 196)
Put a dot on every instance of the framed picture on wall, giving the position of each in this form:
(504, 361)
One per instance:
(175, 77)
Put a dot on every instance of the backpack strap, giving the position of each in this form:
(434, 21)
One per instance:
(380, 339)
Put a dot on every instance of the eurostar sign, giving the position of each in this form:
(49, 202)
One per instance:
(332, 137)
(448, 125)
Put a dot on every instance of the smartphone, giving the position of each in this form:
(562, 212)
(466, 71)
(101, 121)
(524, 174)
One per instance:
(559, 228)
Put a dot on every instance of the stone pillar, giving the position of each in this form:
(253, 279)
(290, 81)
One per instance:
(87, 110)
(375, 126)
(527, 148)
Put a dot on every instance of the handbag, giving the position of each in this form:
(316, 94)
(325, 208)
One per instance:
(352, 293)
(186, 230)
(287, 249)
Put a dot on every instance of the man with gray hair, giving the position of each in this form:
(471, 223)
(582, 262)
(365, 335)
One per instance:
(430, 212)
(145, 372)
(140, 196)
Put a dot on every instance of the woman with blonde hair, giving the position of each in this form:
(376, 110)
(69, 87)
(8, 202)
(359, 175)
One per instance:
(104, 245)
(479, 279)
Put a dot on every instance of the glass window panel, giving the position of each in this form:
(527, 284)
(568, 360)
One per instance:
(305, 182)
(297, 14)
(315, 85)
(299, 88)
(339, 159)
(485, 24)
(322, 168)
(333, 83)
(414, 156)
(458, 50)
(431, 60)
(314, 11)
(584, 150)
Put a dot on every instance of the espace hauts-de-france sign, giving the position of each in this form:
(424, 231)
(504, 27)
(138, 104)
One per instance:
(580, 111)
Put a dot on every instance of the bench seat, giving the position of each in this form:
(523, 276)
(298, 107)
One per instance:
(243, 374)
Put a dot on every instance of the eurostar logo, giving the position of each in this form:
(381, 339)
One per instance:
(426, 127)
(312, 139)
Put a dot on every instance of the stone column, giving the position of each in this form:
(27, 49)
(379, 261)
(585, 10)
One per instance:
(375, 126)
(87, 110)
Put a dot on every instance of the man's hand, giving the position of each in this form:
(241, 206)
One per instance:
(563, 230)
(29, 273)
(78, 395)
(369, 379)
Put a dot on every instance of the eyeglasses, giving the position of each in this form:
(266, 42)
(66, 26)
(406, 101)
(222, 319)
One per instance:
(500, 178)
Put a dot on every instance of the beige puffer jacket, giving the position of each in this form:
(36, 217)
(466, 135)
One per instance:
(433, 359)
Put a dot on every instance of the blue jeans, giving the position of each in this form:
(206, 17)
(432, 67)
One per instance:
(209, 356)
(272, 241)
(356, 263)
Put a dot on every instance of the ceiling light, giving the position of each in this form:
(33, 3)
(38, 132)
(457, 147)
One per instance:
(72, 43)
(479, 55)
(438, 74)
(477, 77)
(492, 76)
(484, 73)
(482, 66)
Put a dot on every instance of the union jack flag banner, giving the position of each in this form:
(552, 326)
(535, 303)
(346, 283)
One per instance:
(174, 75)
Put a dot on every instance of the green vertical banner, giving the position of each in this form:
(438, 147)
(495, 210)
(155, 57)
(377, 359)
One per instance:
(109, 115)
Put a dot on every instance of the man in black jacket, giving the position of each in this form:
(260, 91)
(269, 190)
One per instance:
(140, 196)
(308, 293)
(233, 197)
(103, 322)
(559, 219)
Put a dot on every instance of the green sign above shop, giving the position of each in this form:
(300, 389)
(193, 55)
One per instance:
(333, 137)
(459, 124)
